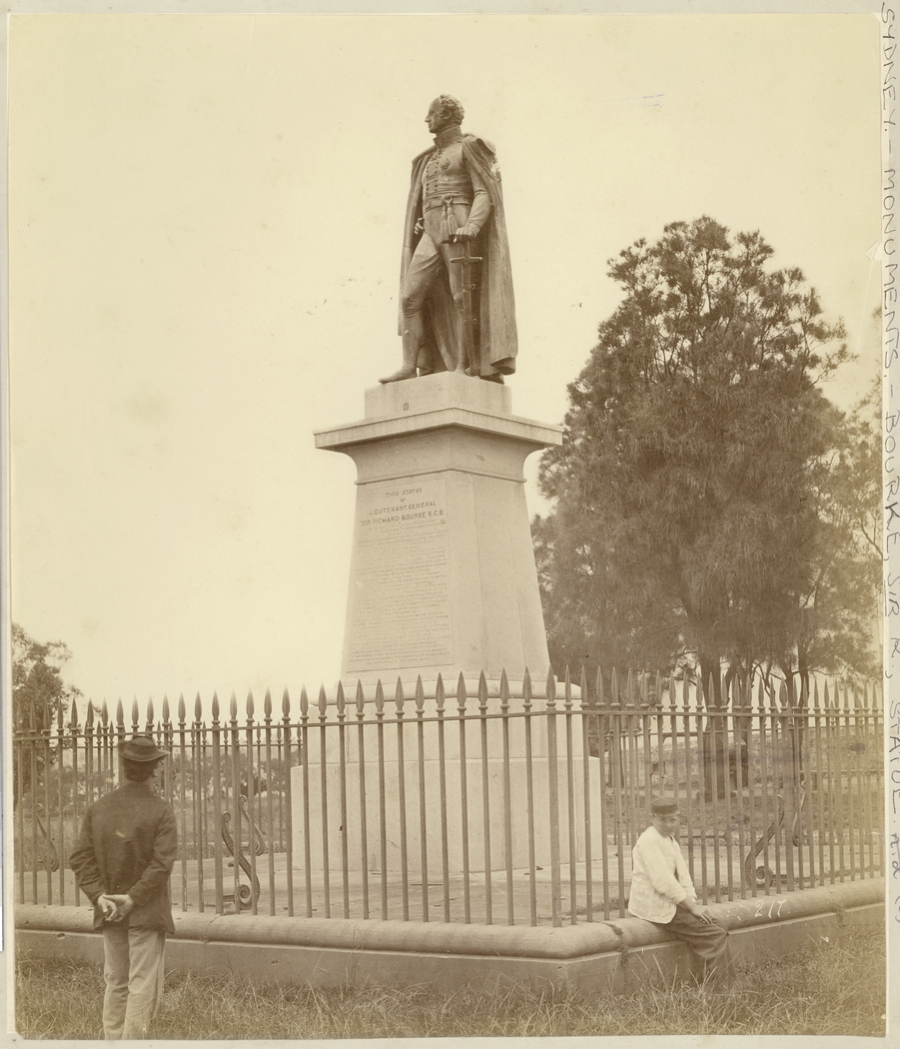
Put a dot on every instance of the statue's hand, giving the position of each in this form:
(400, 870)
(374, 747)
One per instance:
(466, 232)
(419, 227)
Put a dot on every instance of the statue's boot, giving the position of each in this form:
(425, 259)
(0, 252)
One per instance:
(403, 373)
(408, 370)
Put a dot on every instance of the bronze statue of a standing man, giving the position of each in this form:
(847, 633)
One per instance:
(456, 299)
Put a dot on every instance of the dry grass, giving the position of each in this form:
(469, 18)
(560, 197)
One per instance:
(835, 988)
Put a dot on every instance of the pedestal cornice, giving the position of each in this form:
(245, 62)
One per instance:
(527, 431)
(436, 402)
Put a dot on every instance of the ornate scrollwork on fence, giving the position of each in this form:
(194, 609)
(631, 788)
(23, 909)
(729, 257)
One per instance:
(51, 855)
(255, 834)
(763, 875)
(246, 895)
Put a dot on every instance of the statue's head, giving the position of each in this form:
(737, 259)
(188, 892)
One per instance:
(444, 111)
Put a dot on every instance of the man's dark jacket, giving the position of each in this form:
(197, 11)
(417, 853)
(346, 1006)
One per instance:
(127, 844)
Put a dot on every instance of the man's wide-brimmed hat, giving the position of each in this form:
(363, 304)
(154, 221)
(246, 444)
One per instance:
(141, 748)
(664, 806)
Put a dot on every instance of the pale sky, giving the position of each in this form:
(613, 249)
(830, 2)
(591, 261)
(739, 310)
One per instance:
(204, 246)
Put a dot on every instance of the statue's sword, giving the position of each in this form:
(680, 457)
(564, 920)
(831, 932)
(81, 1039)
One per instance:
(468, 287)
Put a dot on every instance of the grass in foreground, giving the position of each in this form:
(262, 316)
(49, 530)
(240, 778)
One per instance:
(834, 988)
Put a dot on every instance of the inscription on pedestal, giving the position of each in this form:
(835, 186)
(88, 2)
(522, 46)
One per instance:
(399, 598)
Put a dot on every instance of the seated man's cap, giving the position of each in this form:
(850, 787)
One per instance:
(141, 748)
(664, 806)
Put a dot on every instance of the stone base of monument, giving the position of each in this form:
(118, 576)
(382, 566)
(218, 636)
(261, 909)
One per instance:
(442, 583)
(505, 795)
(442, 572)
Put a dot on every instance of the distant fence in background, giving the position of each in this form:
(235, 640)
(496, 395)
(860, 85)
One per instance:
(776, 794)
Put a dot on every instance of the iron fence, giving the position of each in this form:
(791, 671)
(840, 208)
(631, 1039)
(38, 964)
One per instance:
(474, 804)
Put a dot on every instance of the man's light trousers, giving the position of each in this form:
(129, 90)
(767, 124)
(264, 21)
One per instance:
(134, 974)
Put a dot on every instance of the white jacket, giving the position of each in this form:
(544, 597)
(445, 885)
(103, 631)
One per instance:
(659, 877)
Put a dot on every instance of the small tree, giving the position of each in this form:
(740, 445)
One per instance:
(38, 695)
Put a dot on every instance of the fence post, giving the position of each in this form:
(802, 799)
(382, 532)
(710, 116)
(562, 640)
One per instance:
(399, 701)
(529, 796)
(553, 794)
(289, 820)
(463, 794)
(485, 798)
(363, 811)
(439, 699)
(304, 765)
(182, 776)
(252, 844)
(420, 766)
(217, 805)
(586, 799)
(570, 798)
(61, 792)
(340, 706)
(198, 808)
(507, 798)
(618, 782)
(323, 787)
(270, 815)
(602, 736)
(382, 798)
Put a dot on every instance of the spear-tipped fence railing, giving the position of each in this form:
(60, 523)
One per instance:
(499, 803)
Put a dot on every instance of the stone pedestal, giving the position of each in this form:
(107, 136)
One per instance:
(442, 582)
(442, 575)
(491, 783)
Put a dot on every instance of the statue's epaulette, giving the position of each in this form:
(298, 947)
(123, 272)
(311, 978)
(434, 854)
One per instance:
(489, 157)
(489, 146)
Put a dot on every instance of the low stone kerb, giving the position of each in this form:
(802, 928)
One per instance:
(567, 942)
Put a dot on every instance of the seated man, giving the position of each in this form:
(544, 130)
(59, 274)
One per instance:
(662, 891)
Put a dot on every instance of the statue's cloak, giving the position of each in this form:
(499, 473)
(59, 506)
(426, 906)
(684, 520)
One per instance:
(495, 306)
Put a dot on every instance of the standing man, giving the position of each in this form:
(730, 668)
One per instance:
(122, 863)
(456, 300)
(662, 891)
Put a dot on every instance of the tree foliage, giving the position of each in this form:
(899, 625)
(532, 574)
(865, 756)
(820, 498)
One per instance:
(39, 694)
(705, 484)
(838, 615)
